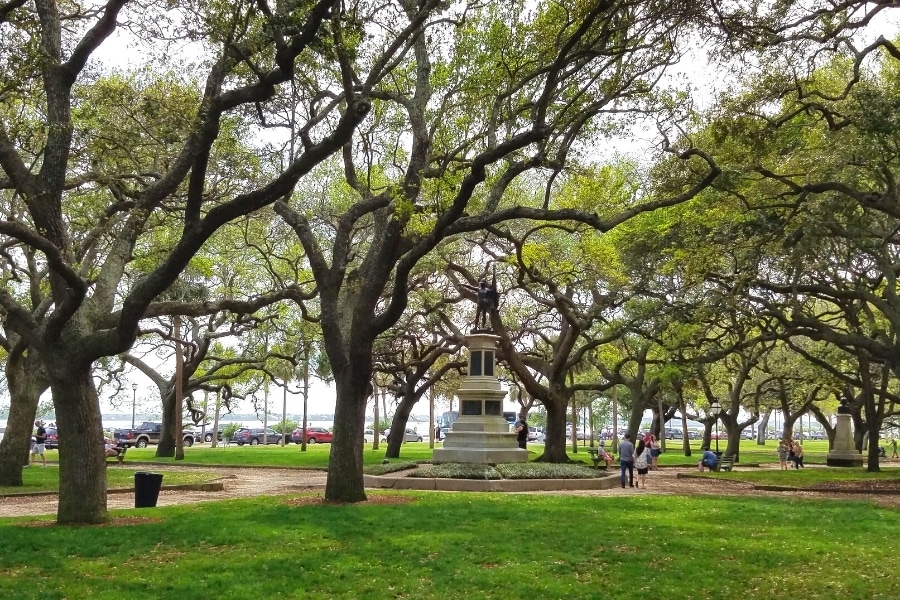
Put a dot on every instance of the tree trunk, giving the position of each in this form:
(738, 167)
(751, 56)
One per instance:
(763, 428)
(555, 435)
(400, 421)
(82, 462)
(685, 438)
(26, 382)
(179, 394)
(166, 446)
(345, 475)
(14, 447)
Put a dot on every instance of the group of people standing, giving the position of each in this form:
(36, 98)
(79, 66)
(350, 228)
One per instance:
(790, 451)
(644, 457)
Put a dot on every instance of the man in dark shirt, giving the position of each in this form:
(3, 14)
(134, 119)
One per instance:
(522, 433)
(38, 448)
(626, 460)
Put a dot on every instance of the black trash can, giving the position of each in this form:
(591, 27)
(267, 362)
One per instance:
(146, 489)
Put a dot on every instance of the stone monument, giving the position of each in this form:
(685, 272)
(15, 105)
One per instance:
(843, 454)
(480, 435)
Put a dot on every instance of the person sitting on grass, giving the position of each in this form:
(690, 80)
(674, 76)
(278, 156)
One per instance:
(708, 460)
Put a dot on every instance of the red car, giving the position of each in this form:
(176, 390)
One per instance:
(314, 435)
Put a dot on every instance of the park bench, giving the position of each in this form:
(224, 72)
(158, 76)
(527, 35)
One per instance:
(120, 454)
(726, 463)
(597, 458)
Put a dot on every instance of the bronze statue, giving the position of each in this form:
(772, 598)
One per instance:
(488, 299)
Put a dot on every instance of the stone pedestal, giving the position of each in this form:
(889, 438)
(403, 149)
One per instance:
(480, 435)
(843, 453)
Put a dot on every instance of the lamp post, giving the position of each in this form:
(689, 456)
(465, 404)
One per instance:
(133, 402)
(714, 409)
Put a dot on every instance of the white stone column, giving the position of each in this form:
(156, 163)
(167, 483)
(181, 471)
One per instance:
(844, 454)
(480, 435)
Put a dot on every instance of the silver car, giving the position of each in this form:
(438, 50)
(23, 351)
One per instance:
(409, 435)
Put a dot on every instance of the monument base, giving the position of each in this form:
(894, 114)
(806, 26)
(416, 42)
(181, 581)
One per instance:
(844, 459)
(480, 456)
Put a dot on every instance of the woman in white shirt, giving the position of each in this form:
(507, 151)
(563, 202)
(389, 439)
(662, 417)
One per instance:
(642, 463)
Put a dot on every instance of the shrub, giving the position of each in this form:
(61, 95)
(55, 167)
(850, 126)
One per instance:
(508, 471)
(390, 467)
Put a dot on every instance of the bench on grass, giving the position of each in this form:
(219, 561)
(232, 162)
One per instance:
(119, 455)
(597, 457)
(726, 463)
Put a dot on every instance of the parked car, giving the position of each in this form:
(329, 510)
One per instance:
(747, 434)
(694, 435)
(673, 433)
(409, 435)
(314, 435)
(368, 436)
(255, 436)
(208, 434)
(535, 434)
(52, 440)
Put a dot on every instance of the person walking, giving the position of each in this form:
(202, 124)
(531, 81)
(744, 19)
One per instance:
(37, 449)
(642, 463)
(894, 446)
(783, 455)
(797, 451)
(626, 460)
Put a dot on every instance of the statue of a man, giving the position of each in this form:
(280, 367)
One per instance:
(488, 299)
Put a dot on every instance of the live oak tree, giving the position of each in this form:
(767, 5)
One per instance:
(93, 307)
(817, 185)
(490, 95)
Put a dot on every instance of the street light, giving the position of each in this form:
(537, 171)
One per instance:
(714, 409)
(133, 402)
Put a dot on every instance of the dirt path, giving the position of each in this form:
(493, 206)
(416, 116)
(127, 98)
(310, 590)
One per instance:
(238, 482)
(244, 482)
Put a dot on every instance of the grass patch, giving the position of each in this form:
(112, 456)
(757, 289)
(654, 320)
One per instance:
(37, 479)
(803, 478)
(315, 456)
(486, 546)
(815, 452)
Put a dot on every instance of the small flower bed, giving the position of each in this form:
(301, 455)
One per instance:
(389, 467)
(507, 471)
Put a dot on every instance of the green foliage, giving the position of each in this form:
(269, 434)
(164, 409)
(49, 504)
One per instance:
(229, 430)
(390, 467)
(546, 471)
(458, 471)
(286, 426)
(507, 471)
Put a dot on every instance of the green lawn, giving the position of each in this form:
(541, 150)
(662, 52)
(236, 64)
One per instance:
(448, 546)
(38, 479)
(315, 456)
